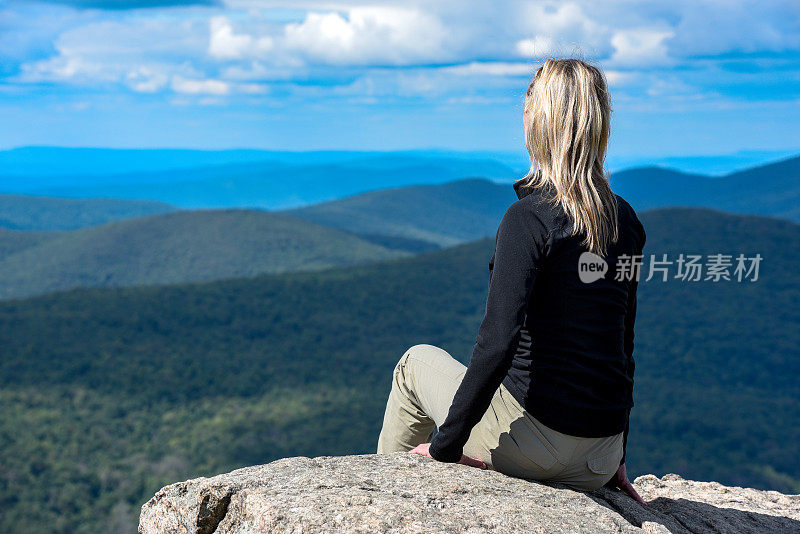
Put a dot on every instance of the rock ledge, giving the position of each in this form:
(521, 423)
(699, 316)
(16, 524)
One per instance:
(403, 493)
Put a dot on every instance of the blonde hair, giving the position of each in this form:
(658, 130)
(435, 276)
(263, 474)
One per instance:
(567, 114)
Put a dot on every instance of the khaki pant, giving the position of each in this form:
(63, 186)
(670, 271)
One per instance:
(508, 439)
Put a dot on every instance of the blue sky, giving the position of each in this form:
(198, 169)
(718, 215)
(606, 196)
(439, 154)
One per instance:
(687, 77)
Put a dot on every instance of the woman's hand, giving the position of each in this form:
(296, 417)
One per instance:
(620, 480)
(422, 449)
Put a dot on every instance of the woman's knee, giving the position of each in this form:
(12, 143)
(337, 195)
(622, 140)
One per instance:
(403, 362)
(423, 360)
(422, 352)
(429, 376)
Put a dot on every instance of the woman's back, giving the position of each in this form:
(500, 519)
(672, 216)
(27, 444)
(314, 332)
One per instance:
(573, 364)
(549, 383)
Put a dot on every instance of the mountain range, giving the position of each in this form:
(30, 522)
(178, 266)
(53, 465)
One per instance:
(178, 246)
(772, 189)
(113, 392)
(274, 183)
(226, 337)
(191, 245)
(444, 214)
(42, 213)
(296, 180)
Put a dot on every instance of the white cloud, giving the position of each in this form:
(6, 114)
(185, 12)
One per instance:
(137, 52)
(641, 47)
(617, 78)
(493, 68)
(263, 71)
(225, 44)
(478, 100)
(146, 79)
(368, 35)
(200, 87)
(382, 47)
(559, 28)
(65, 68)
(672, 87)
(182, 100)
(539, 46)
(252, 88)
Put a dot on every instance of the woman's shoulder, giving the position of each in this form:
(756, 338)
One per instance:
(535, 209)
(626, 215)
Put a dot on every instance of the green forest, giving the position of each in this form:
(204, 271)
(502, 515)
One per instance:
(107, 394)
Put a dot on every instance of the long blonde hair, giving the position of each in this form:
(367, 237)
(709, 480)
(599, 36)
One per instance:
(568, 113)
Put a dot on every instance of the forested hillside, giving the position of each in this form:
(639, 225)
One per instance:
(39, 213)
(771, 189)
(176, 247)
(154, 244)
(469, 209)
(110, 393)
(444, 214)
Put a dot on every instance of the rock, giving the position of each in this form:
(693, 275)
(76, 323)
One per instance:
(404, 493)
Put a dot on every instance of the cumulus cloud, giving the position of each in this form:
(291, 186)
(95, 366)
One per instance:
(641, 47)
(147, 79)
(131, 4)
(673, 87)
(560, 28)
(225, 44)
(200, 87)
(539, 46)
(66, 68)
(493, 68)
(402, 48)
(110, 50)
(616, 78)
(368, 35)
(252, 88)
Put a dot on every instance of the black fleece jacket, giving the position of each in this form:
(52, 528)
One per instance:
(562, 347)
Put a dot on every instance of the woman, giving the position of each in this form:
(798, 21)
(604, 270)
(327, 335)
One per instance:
(549, 387)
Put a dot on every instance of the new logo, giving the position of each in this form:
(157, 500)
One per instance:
(591, 267)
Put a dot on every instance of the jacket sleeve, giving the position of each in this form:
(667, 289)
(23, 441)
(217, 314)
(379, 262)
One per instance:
(517, 252)
(630, 319)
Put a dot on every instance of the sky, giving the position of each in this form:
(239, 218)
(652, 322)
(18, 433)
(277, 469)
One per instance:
(687, 77)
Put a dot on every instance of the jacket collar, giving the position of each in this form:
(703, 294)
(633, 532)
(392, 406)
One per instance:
(522, 190)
